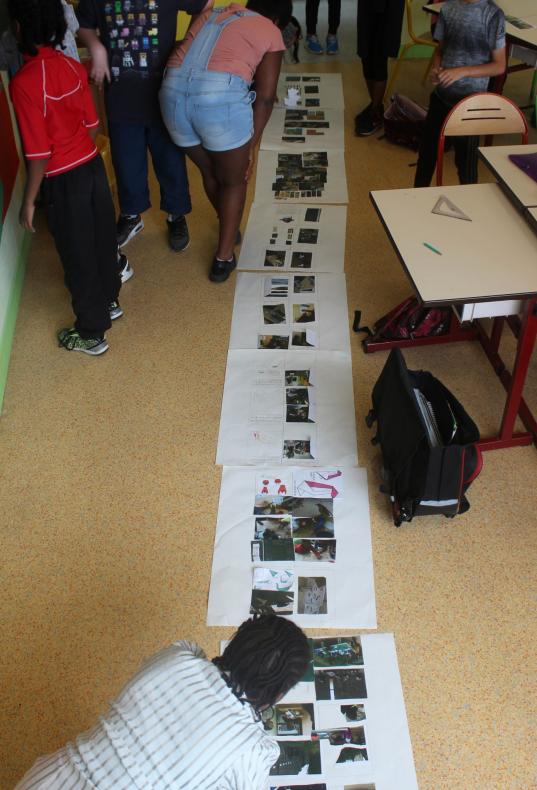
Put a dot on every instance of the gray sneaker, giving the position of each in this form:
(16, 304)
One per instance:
(71, 341)
(116, 311)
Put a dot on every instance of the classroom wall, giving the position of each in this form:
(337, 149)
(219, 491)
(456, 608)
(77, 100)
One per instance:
(183, 19)
(14, 242)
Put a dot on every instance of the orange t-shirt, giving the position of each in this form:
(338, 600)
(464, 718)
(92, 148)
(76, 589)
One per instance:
(241, 45)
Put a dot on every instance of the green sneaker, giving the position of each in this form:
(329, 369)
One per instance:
(71, 340)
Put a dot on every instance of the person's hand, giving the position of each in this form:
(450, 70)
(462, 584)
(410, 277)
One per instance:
(449, 76)
(99, 65)
(434, 75)
(26, 216)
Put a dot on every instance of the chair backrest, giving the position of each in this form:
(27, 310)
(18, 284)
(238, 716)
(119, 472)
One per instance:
(410, 21)
(417, 38)
(485, 113)
(481, 114)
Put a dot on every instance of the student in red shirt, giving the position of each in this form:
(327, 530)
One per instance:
(58, 125)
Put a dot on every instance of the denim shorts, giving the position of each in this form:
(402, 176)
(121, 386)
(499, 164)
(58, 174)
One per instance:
(210, 108)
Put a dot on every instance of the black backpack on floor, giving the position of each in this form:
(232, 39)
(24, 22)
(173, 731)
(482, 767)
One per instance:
(427, 441)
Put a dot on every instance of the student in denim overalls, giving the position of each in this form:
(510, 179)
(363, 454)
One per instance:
(215, 117)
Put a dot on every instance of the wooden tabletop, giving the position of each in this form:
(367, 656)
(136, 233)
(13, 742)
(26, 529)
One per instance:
(492, 257)
(531, 215)
(521, 188)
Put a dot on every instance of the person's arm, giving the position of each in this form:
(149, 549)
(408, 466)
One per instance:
(251, 770)
(36, 173)
(91, 119)
(266, 82)
(495, 67)
(36, 145)
(100, 70)
(436, 64)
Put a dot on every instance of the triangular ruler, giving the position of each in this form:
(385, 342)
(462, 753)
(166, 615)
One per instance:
(446, 208)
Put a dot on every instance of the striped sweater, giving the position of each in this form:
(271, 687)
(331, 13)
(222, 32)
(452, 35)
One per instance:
(176, 725)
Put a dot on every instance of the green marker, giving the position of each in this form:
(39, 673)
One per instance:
(430, 247)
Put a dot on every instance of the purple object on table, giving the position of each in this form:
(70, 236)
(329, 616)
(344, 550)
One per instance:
(526, 162)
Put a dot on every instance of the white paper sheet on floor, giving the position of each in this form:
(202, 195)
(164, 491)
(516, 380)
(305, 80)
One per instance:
(323, 574)
(280, 227)
(350, 594)
(267, 189)
(255, 391)
(372, 723)
(329, 93)
(304, 129)
(330, 325)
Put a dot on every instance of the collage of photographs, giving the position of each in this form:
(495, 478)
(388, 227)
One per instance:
(282, 592)
(287, 231)
(299, 124)
(329, 91)
(288, 405)
(308, 93)
(282, 314)
(325, 735)
(305, 128)
(303, 530)
(304, 238)
(300, 175)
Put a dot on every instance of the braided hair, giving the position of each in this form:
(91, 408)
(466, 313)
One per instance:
(41, 23)
(267, 656)
(279, 11)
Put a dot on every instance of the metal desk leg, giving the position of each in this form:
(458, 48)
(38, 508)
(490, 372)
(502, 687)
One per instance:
(496, 335)
(514, 384)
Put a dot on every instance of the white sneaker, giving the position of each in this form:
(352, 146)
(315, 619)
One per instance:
(125, 269)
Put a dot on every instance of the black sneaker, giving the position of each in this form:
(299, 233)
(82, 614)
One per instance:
(125, 269)
(127, 228)
(367, 122)
(220, 270)
(178, 235)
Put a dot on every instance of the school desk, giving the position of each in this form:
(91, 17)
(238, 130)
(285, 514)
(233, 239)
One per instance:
(520, 188)
(531, 215)
(489, 258)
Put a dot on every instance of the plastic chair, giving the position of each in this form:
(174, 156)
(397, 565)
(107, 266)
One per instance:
(480, 114)
(103, 146)
(421, 40)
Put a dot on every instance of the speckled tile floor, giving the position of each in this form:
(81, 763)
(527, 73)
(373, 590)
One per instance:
(109, 495)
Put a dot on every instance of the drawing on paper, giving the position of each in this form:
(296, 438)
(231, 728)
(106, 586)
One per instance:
(312, 597)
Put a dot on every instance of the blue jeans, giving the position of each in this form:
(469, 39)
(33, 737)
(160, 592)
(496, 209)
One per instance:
(210, 108)
(130, 142)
